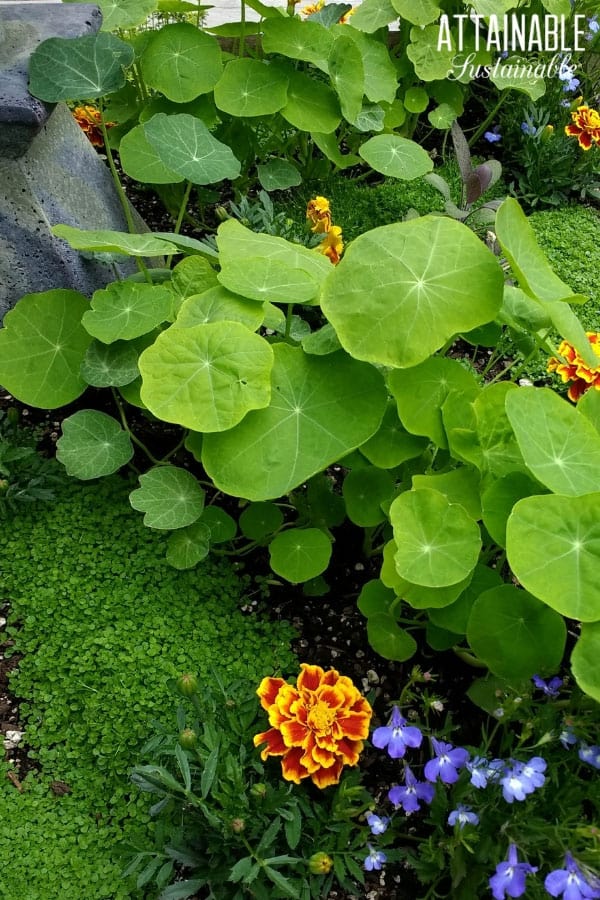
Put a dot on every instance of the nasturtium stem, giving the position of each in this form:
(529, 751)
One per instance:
(288, 321)
(243, 28)
(489, 119)
(133, 438)
(180, 215)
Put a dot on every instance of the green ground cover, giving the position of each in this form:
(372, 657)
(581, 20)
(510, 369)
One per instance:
(103, 623)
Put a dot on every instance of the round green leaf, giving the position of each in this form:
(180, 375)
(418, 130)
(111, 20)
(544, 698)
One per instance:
(71, 68)
(217, 304)
(193, 275)
(125, 13)
(322, 407)
(346, 71)
(381, 77)
(584, 660)
(278, 175)
(188, 546)
(320, 504)
(419, 12)
(296, 39)
(206, 377)
(114, 242)
(401, 291)
(396, 157)
(112, 365)
(141, 162)
(560, 446)
(416, 100)
(182, 62)
(169, 496)
(321, 342)
(438, 542)
(515, 634)
(460, 485)
(439, 638)
(42, 346)
(300, 553)
(93, 445)
(127, 310)
(392, 444)
(420, 393)
(364, 491)
(430, 61)
(184, 144)
(455, 616)
(420, 597)
(498, 499)
(311, 104)
(222, 526)
(553, 547)
(442, 116)
(500, 453)
(260, 519)
(388, 639)
(249, 87)
(375, 598)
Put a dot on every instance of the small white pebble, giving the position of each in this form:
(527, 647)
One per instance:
(372, 677)
(12, 739)
(2, 622)
(525, 382)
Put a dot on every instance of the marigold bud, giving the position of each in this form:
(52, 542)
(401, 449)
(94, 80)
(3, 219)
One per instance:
(187, 684)
(320, 864)
(3, 485)
(188, 738)
(237, 826)
(221, 213)
(259, 791)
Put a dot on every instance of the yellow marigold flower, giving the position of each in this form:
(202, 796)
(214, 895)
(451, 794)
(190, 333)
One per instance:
(313, 8)
(317, 726)
(585, 126)
(319, 214)
(332, 244)
(573, 368)
(88, 119)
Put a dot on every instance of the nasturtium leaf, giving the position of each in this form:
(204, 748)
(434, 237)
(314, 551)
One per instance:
(311, 105)
(515, 634)
(206, 377)
(459, 485)
(401, 291)
(389, 640)
(364, 491)
(560, 446)
(217, 304)
(260, 519)
(188, 546)
(381, 79)
(389, 574)
(498, 498)
(322, 407)
(141, 162)
(500, 452)
(460, 426)
(346, 71)
(589, 405)
(169, 496)
(392, 444)
(421, 391)
(320, 504)
(110, 365)
(222, 526)
(193, 275)
(430, 61)
(127, 310)
(184, 144)
(371, 15)
(438, 542)
(416, 100)
(249, 87)
(42, 346)
(182, 62)
(455, 616)
(329, 146)
(114, 242)
(279, 269)
(439, 638)
(370, 118)
(125, 13)
(330, 14)
(523, 311)
(443, 116)
(70, 68)
(584, 660)
(278, 175)
(420, 597)
(131, 393)
(396, 157)
(300, 553)
(295, 39)
(92, 445)
(321, 342)
(375, 598)
(419, 12)
(193, 444)
(553, 547)
(515, 74)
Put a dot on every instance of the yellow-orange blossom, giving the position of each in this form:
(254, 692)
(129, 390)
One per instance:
(317, 726)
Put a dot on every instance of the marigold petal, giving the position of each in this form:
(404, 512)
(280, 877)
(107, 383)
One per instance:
(355, 726)
(332, 676)
(349, 751)
(294, 733)
(323, 758)
(268, 690)
(308, 760)
(332, 696)
(291, 766)
(323, 778)
(309, 677)
(272, 738)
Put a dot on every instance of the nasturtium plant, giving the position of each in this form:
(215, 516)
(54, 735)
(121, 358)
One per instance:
(127, 310)
(91, 66)
(92, 445)
(181, 62)
(188, 546)
(169, 496)
(300, 553)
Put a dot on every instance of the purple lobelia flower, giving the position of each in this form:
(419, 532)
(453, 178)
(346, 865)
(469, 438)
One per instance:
(590, 755)
(409, 796)
(377, 824)
(570, 882)
(493, 136)
(446, 762)
(523, 778)
(567, 737)
(550, 688)
(396, 736)
(463, 815)
(483, 771)
(374, 860)
(509, 879)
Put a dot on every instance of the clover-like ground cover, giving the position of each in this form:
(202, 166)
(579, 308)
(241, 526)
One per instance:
(103, 622)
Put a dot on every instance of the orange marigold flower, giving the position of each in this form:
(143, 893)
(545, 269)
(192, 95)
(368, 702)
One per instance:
(317, 727)
(319, 214)
(585, 126)
(573, 368)
(332, 244)
(313, 8)
(88, 119)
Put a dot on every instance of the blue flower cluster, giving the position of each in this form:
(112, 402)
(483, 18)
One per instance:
(569, 883)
